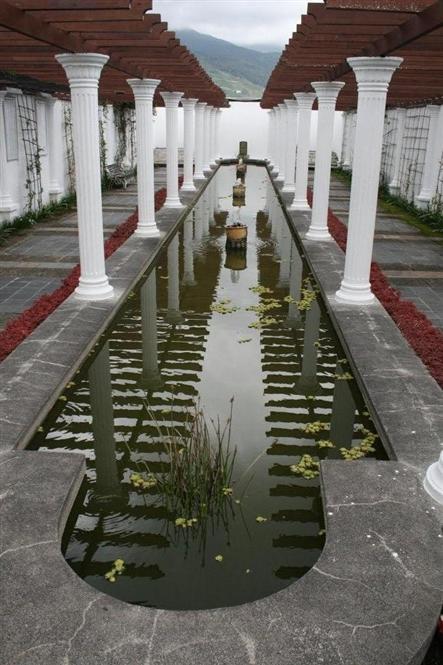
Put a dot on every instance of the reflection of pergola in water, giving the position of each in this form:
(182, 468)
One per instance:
(291, 358)
(159, 372)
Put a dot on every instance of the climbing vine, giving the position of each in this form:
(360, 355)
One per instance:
(69, 147)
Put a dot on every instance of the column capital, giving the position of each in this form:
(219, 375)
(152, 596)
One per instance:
(291, 104)
(172, 99)
(305, 99)
(374, 74)
(200, 105)
(433, 109)
(82, 69)
(188, 103)
(282, 106)
(143, 89)
(327, 91)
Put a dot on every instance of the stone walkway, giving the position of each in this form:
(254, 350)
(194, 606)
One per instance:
(35, 262)
(412, 261)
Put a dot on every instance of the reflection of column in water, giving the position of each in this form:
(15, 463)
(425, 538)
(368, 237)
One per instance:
(285, 242)
(107, 482)
(216, 199)
(277, 226)
(206, 214)
(343, 412)
(151, 377)
(308, 383)
(173, 314)
(235, 276)
(269, 196)
(295, 281)
(188, 275)
(211, 202)
(198, 221)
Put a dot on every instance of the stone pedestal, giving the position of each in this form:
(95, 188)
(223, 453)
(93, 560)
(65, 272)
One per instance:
(373, 76)
(199, 140)
(327, 93)
(434, 149)
(144, 90)
(188, 144)
(172, 101)
(394, 185)
(305, 101)
(291, 145)
(83, 71)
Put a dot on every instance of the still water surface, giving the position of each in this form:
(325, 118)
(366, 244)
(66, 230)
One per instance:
(167, 348)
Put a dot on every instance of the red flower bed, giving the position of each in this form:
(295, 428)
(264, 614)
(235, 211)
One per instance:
(422, 335)
(20, 327)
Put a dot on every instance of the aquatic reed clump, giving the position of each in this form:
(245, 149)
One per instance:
(197, 476)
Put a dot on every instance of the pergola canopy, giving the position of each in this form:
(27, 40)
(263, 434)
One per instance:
(338, 29)
(139, 45)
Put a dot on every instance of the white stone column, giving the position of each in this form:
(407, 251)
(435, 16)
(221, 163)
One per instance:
(107, 483)
(291, 145)
(54, 148)
(207, 139)
(212, 160)
(434, 150)
(173, 315)
(199, 140)
(347, 140)
(144, 90)
(305, 101)
(434, 480)
(282, 143)
(394, 185)
(276, 141)
(269, 139)
(151, 376)
(218, 118)
(83, 71)
(373, 77)
(172, 101)
(327, 93)
(189, 144)
(7, 205)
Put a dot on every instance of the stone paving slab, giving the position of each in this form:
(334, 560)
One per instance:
(372, 598)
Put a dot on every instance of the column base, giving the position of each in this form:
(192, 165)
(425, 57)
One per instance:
(394, 190)
(422, 201)
(150, 231)
(355, 295)
(188, 187)
(318, 234)
(346, 167)
(207, 169)
(300, 204)
(433, 482)
(199, 176)
(7, 208)
(280, 178)
(173, 203)
(288, 189)
(174, 317)
(213, 165)
(100, 290)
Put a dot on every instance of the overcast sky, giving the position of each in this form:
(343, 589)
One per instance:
(240, 21)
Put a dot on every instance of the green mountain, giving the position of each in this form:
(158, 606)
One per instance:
(239, 71)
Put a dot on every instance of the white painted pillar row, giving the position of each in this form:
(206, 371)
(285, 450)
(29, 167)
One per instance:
(327, 93)
(199, 140)
(373, 76)
(434, 150)
(282, 143)
(188, 144)
(207, 139)
(151, 375)
(144, 90)
(394, 185)
(7, 205)
(107, 483)
(291, 144)
(172, 101)
(83, 71)
(54, 155)
(305, 101)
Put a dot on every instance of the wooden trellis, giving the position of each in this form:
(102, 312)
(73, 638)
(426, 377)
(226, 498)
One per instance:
(27, 113)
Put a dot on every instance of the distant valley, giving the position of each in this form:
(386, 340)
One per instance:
(239, 71)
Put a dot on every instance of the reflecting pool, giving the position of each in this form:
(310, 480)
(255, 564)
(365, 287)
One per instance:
(206, 325)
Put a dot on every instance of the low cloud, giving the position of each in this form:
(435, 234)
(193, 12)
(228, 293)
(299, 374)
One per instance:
(249, 22)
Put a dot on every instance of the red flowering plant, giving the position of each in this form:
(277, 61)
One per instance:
(422, 335)
(22, 325)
